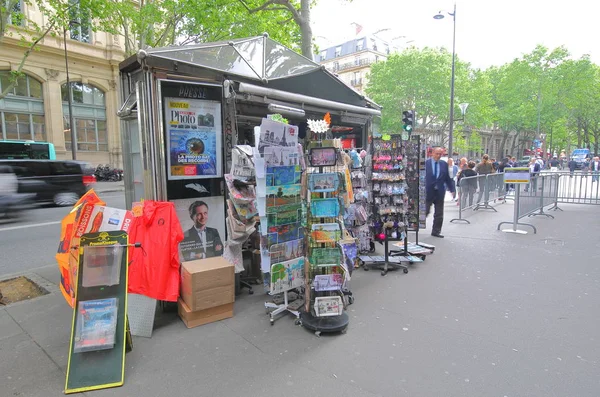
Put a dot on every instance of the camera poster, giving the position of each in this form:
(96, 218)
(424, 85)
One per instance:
(193, 138)
(203, 225)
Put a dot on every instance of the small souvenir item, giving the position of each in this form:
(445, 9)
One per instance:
(326, 306)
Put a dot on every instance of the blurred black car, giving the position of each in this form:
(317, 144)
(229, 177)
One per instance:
(61, 183)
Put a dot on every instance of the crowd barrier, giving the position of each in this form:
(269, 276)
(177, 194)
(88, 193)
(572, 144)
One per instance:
(477, 192)
(532, 198)
(578, 187)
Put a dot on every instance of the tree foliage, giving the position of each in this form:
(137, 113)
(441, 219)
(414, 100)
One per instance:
(543, 94)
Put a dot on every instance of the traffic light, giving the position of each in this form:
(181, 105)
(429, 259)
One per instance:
(408, 119)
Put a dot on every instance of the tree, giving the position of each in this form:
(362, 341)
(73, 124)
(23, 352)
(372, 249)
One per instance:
(417, 79)
(299, 12)
(163, 23)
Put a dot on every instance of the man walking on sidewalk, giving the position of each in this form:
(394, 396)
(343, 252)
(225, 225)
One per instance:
(437, 180)
(595, 168)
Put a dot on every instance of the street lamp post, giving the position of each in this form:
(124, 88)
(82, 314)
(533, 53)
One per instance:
(69, 100)
(451, 129)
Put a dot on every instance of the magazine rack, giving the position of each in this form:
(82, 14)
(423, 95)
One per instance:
(98, 334)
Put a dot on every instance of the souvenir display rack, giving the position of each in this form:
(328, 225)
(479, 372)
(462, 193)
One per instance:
(416, 211)
(358, 213)
(327, 274)
(389, 202)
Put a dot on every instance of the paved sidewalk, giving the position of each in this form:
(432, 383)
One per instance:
(488, 314)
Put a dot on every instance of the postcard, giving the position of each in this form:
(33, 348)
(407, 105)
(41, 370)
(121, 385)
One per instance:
(325, 232)
(327, 306)
(274, 133)
(328, 282)
(281, 156)
(283, 233)
(286, 251)
(283, 195)
(322, 208)
(284, 217)
(321, 183)
(287, 275)
(287, 175)
(325, 256)
(326, 156)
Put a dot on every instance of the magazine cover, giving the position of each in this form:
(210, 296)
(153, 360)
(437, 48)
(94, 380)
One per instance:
(96, 325)
(193, 138)
(203, 223)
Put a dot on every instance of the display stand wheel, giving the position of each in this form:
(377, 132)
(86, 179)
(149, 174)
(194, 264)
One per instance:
(405, 271)
(324, 324)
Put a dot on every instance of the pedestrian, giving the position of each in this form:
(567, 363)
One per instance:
(452, 168)
(595, 168)
(572, 167)
(484, 168)
(554, 164)
(468, 184)
(534, 171)
(437, 180)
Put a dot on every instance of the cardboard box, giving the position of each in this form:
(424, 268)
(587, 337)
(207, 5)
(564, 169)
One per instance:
(194, 319)
(207, 283)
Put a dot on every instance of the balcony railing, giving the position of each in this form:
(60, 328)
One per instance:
(350, 65)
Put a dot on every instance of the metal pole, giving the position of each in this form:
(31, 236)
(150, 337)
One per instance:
(70, 101)
(452, 84)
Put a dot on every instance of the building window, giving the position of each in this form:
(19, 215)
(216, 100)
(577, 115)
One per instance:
(25, 119)
(80, 23)
(387, 49)
(89, 117)
(359, 45)
(323, 55)
(338, 51)
(17, 16)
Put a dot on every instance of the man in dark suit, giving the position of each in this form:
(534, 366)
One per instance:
(200, 241)
(437, 180)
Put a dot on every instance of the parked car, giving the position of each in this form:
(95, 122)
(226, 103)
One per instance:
(58, 182)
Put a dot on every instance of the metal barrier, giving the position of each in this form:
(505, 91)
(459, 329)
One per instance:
(541, 192)
(477, 192)
(578, 187)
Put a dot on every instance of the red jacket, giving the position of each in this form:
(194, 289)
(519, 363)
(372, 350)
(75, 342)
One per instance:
(154, 268)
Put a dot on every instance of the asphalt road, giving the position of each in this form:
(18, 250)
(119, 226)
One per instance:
(31, 241)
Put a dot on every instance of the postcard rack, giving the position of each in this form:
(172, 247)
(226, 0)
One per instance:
(389, 203)
(278, 164)
(327, 274)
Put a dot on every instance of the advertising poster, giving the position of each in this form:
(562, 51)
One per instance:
(202, 220)
(193, 138)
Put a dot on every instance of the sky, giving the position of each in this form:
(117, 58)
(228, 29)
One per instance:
(488, 32)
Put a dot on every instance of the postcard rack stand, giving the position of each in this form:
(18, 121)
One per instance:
(389, 203)
(326, 271)
(416, 211)
(278, 164)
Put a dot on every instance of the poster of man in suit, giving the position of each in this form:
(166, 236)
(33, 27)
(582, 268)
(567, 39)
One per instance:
(202, 220)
